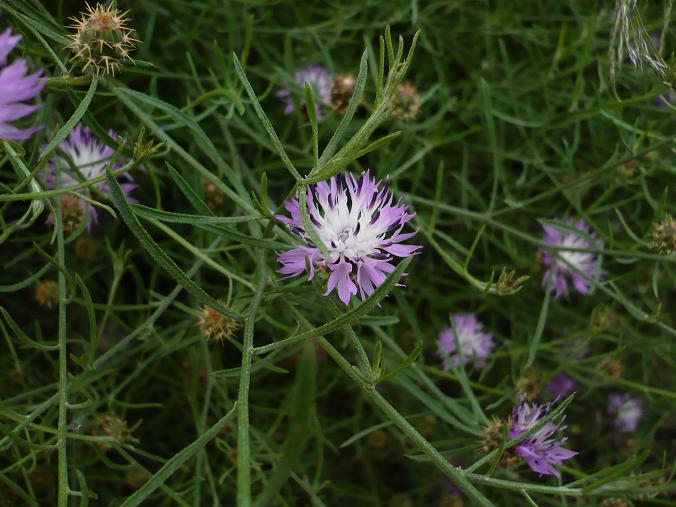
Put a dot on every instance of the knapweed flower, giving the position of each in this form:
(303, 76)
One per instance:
(475, 344)
(102, 39)
(321, 82)
(628, 412)
(543, 449)
(16, 86)
(91, 157)
(360, 225)
(559, 262)
(560, 385)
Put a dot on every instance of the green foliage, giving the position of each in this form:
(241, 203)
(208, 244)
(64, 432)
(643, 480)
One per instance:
(312, 403)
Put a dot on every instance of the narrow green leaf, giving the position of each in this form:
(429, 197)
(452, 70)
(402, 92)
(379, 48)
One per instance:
(162, 259)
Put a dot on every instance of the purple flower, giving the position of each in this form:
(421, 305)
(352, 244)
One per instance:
(559, 262)
(628, 412)
(16, 86)
(91, 157)
(360, 226)
(560, 385)
(319, 79)
(475, 344)
(542, 449)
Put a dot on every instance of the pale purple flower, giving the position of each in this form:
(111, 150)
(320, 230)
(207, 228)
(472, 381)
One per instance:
(91, 157)
(360, 225)
(558, 261)
(628, 412)
(560, 385)
(475, 344)
(319, 79)
(16, 87)
(543, 449)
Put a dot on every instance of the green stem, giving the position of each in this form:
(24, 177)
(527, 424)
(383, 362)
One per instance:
(243, 442)
(61, 437)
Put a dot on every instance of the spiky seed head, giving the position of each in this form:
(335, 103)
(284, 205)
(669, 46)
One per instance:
(47, 293)
(452, 500)
(377, 439)
(102, 40)
(493, 435)
(341, 91)
(72, 212)
(405, 102)
(529, 384)
(112, 425)
(213, 196)
(612, 366)
(614, 502)
(85, 246)
(215, 326)
(663, 236)
(136, 477)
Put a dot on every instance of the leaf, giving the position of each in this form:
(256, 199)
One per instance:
(173, 464)
(162, 259)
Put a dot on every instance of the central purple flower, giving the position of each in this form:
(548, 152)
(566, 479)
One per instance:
(319, 79)
(475, 344)
(542, 449)
(91, 157)
(359, 224)
(16, 86)
(559, 262)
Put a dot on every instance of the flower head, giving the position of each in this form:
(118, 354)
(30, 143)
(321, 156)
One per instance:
(560, 385)
(360, 225)
(628, 412)
(16, 86)
(542, 450)
(91, 157)
(475, 344)
(559, 262)
(215, 326)
(319, 79)
(663, 236)
(405, 102)
(102, 39)
(341, 91)
(47, 293)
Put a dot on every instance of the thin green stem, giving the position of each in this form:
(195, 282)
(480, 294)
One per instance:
(243, 441)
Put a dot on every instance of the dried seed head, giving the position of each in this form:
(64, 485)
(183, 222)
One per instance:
(102, 40)
(405, 102)
(427, 424)
(451, 501)
(529, 384)
(614, 502)
(493, 435)
(111, 425)
(341, 91)
(72, 212)
(612, 366)
(136, 477)
(85, 246)
(215, 326)
(213, 196)
(663, 236)
(377, 439)
(47, 293)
